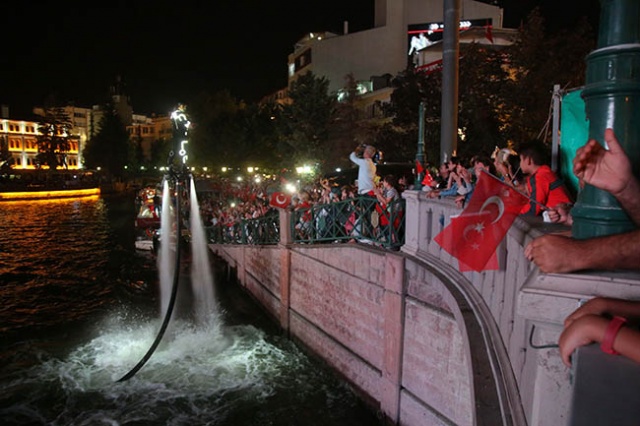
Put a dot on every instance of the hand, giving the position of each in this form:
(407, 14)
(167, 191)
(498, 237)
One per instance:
(555, 253)
(590, 328)
(561, 214)
(609, 170)
(595, 306)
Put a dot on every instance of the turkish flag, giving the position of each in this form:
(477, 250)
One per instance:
(488, 33)
(280, 200)
(428, 179)
(419, 168)
(473, 236)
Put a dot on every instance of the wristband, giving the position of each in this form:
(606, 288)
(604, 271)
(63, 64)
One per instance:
(610, 335)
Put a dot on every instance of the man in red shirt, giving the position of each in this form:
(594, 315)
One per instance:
(544, 186)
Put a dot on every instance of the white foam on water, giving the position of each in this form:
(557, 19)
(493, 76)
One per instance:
(197, 375)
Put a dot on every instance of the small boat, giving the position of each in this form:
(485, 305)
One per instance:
(147, 220)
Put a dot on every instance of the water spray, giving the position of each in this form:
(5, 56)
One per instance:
(179, 175)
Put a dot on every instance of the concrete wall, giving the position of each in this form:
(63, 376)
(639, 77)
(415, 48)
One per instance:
(428, 344)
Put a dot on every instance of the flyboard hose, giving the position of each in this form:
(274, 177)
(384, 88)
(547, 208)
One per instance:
(176, 272)
(172, 300)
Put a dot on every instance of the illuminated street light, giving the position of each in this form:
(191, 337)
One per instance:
(250, 169)
(290, 188)
(224, 169)
(303, 170)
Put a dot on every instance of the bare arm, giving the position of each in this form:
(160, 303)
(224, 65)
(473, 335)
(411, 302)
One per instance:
(560, 254)
(629, 309)
(592, 328)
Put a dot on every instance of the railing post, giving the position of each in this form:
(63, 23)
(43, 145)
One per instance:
(286, 237)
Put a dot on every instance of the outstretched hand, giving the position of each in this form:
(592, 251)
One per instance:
(609, 170)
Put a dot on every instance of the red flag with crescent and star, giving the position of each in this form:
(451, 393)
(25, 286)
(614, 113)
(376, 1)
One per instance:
(280, 200)
(428, 179)
(473, 236)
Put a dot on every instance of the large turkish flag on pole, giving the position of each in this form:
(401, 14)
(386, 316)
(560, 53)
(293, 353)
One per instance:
(473, 236)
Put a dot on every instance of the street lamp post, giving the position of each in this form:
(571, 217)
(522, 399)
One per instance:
(420, 157)
(611, 96)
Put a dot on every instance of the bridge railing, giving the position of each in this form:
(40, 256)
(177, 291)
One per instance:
(264, 230)
(361, 219)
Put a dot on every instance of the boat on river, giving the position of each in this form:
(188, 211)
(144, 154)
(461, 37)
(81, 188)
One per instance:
(147, 222)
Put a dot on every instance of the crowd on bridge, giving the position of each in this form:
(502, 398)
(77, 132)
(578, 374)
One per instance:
(526, 169)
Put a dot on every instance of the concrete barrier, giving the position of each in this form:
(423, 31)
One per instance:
(427, 344)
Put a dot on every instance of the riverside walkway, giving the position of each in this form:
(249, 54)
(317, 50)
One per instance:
(424, 342)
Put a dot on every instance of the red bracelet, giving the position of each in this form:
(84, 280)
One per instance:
(611, 333)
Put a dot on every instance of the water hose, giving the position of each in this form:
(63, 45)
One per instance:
(172, 300)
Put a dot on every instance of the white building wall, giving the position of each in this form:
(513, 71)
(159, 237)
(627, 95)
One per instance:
(383, 50)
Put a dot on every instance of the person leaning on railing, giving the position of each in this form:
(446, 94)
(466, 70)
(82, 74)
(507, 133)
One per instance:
(609, 170)
(608, 322)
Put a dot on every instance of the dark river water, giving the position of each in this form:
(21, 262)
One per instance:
(80, 308)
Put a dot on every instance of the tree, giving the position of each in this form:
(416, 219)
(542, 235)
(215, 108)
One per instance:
(504, 93)
(217, 137)
(304, 124)
(348, 128)
(110, 149)
(538, 61)
(5, 155)
(398, 137)
(53, 140)
(160, 151)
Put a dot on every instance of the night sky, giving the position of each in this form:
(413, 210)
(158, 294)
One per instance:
(167, 52)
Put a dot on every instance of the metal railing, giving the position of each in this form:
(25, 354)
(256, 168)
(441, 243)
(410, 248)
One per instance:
(264, 230)
(360, 219)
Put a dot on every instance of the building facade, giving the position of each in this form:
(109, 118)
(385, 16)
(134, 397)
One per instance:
(372, 55)
(21, 139)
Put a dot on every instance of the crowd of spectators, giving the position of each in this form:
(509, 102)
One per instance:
(526, 170)
(228, 202)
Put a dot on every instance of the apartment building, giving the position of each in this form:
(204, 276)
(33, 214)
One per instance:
(405, 33)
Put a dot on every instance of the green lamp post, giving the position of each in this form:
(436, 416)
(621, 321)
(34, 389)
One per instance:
(612, 100)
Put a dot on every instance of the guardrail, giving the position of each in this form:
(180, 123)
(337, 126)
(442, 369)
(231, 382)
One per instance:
(360, 219)
(260, 231)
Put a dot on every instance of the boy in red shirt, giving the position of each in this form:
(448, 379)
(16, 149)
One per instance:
(544, 186)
